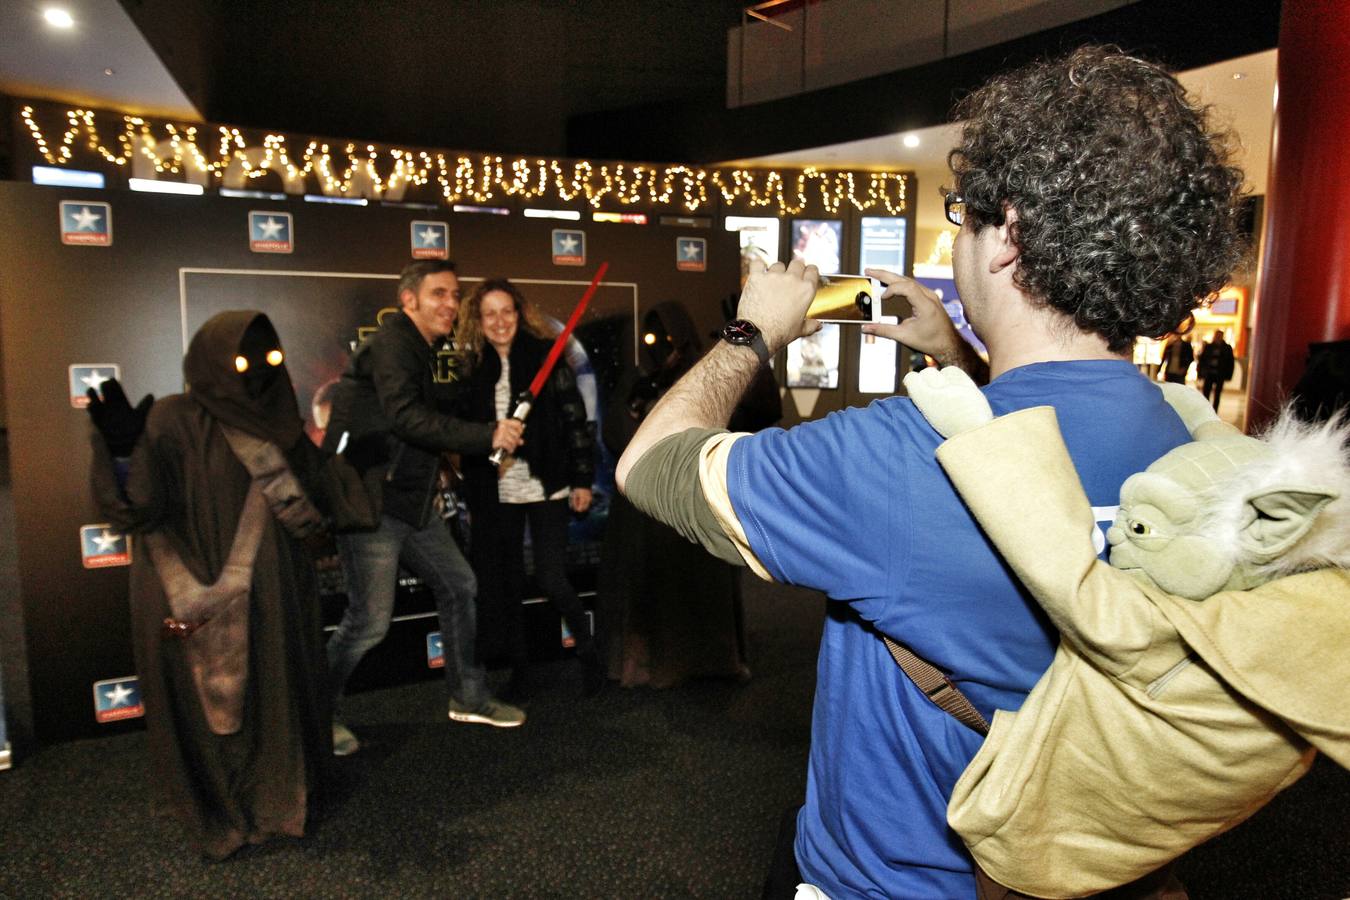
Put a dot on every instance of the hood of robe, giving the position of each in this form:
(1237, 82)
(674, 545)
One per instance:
(261, 401)
(675, 345)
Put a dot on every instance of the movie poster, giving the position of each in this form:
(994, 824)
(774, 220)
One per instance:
(320, 318)
(819, 243)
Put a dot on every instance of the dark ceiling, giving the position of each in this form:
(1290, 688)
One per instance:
(618, 79)
(496, 76)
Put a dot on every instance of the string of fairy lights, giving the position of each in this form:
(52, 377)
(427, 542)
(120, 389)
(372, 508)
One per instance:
(349, 169)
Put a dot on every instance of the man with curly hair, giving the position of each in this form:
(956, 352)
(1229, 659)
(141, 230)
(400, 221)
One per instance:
(1095, 205)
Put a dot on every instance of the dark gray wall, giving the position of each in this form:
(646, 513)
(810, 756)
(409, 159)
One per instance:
(65, 304)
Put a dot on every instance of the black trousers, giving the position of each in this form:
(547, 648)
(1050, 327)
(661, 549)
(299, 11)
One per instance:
(498, 553)
(1214, 385)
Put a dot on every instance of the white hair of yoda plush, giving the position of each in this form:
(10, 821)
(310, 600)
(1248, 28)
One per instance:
(1225, 512)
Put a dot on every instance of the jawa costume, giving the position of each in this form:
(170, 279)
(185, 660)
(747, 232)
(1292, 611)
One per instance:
(224, 600)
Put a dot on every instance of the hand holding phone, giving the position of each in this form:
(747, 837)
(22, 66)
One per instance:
(846, 300)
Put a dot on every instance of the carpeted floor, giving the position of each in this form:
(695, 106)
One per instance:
(637, 794)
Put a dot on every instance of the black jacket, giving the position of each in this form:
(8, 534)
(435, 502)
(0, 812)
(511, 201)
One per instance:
(1216, 362)
(396, 402)
(558, 444)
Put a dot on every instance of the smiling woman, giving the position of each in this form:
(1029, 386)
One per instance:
(548, 479)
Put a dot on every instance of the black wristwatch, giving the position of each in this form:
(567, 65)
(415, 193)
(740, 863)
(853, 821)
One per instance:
(744, 333)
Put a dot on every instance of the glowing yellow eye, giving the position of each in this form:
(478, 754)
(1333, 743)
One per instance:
(241, 363)
(649, 339)
(274, 357)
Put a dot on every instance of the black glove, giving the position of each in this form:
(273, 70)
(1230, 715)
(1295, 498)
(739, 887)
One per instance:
(120, 425)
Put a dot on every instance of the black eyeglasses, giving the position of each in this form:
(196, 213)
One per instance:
(955, 207)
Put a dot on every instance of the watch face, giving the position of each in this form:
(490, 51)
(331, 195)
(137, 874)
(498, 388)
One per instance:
(739, 331)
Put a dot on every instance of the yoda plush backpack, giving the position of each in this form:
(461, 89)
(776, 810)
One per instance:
(1197, 675)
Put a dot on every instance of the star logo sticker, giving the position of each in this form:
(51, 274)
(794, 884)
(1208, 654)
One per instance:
(569, 247)
(106, 541)
(85, 219)
(86, 223)
(691, 254)
(83, 376)
(95, 379)
(270, 232)
(435, 651)
(116, 699)
(101, 547)
(430, 238)
(118, 696)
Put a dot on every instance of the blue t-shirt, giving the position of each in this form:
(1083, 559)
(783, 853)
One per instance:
(856, 505)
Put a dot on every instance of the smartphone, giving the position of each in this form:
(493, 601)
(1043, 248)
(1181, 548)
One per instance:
(846, 300)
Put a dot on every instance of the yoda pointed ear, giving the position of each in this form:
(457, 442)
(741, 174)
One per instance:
(1280, 517)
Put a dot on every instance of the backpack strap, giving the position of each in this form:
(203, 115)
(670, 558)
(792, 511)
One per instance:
(937, 687)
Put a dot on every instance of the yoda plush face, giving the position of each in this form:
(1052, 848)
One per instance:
(1213, 515)
(1224, 512)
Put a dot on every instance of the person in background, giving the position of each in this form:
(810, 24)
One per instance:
(1177, 357)
(1215, 367)
(543, 485)
(668, 609)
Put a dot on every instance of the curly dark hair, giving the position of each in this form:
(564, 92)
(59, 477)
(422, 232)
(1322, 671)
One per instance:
(1127, 206)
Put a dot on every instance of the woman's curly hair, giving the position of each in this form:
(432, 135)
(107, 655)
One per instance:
(1127, 206)
(469, 333)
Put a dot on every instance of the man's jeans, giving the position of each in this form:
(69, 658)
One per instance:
(371, 561)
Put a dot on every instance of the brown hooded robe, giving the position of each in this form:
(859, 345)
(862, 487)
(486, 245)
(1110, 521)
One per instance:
(668, 610)
(186, 484)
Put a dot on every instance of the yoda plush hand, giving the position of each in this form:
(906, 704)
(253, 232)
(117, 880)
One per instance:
(1178, 702)
(948, 399)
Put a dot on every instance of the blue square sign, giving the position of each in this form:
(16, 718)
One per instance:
(691, 254)
(84, 376)
(101, 547)
(86, 223)
(569, 247)
(116, 699)
(430, 240)
(435, 652)
(270, 232)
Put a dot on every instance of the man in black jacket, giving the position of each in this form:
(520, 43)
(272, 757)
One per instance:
(391, 411)
(1215, 366)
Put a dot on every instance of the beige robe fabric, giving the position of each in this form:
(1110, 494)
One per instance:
(1162, 721)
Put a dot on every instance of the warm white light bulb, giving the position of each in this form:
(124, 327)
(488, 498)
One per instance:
(57, 17)
(910, 140)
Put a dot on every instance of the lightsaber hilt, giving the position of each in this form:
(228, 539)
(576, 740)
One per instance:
(524, 402)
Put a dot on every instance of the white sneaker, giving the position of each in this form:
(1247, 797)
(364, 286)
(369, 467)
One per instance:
(494, 712)
(344, 742)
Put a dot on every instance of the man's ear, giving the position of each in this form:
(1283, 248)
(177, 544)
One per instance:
(1280, 517)
(406, 298)
(1007, 251)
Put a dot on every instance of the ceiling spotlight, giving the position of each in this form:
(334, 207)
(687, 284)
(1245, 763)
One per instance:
(910, 140)
(1238, 76)
(57, 17)
(110, 71)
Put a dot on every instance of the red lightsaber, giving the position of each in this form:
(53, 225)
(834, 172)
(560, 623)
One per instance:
(527, 397)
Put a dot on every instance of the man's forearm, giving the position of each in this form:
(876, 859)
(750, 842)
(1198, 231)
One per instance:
(703, 398)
